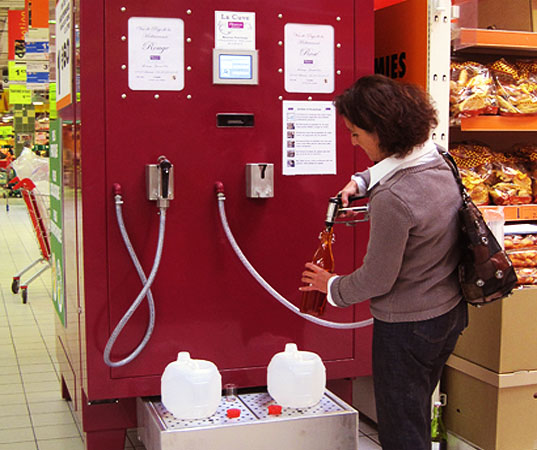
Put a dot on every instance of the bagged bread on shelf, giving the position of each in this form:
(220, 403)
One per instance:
(528, 155)
(520, 241)
(526, 275)
(516, 90)
(523, 258)
(474, 161)
(511, 183)
(472, 90)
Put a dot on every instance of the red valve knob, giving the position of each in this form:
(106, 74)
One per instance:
(274, 410)
(233, 413)
(116, 188)
(219, 187)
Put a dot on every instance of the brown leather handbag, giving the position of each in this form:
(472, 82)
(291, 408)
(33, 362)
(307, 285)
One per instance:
(485, 271)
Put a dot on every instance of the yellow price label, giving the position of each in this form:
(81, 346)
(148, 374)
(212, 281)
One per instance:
(16, 71)
(6, 131)
(19, 95)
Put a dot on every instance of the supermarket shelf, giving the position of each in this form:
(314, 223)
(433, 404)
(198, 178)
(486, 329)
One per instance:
(499, 123)
(516, 212)
(494, 41)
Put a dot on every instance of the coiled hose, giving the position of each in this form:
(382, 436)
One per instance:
(146, 291)
(325, 323)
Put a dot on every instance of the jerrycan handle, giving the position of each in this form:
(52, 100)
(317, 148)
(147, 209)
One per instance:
(291, 350)
(183, 358)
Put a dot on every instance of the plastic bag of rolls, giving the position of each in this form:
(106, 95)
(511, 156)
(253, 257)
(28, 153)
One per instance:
(522, 250)
(472, 91)
(511, 183)
(475, 166)
(526, 275)
(516, 87)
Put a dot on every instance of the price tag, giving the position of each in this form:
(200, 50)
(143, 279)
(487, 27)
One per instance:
(19, 95)
(16, 71)
(528, 212)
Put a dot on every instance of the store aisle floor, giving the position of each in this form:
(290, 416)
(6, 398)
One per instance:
(33, 414)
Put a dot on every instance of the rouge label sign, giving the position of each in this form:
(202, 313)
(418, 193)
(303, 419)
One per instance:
(156, 54)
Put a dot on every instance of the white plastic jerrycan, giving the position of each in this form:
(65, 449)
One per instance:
(191, 388)
(296, 379)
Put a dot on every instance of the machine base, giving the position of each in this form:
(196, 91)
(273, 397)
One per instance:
(330, 424)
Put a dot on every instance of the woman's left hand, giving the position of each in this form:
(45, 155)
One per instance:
(315, 278)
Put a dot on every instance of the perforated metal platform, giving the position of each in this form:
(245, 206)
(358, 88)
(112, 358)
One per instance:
(331, 424)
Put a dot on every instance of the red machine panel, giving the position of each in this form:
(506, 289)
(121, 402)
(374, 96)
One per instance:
(206, 302)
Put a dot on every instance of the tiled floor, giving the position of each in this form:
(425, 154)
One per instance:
(33, 415)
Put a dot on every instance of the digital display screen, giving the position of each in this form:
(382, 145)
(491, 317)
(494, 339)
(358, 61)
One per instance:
(235, 67)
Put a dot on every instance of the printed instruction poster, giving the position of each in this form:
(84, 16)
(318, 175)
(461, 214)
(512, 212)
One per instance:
(309, 58)
(309, 138)
(156, 54)
(234, 30)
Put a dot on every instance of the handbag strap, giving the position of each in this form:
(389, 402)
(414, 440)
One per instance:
(453, 166)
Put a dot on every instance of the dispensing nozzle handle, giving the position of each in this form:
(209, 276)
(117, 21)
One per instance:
(335, 207)
(352, 198)
(165, 167)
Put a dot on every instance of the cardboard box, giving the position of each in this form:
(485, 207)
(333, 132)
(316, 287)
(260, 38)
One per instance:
(363, 397)
(502, 336)
(499, 14)
(493, 411)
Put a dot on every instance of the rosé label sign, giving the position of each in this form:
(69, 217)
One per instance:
(309, 58)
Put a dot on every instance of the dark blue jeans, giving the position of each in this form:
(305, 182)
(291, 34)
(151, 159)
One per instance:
(408, 358)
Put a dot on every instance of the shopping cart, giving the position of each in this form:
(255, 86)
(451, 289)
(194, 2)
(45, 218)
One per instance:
(6, 172)
(37, 205)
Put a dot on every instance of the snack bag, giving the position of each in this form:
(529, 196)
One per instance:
(512, 183)
(528, 155)
(515, 91)
(472, 91)
(475, 166)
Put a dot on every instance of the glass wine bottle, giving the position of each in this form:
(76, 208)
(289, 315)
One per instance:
(438, 430)
(314, 302)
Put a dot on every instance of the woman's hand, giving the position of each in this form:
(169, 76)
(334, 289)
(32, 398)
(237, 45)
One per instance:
(315, 278)
(350, 189)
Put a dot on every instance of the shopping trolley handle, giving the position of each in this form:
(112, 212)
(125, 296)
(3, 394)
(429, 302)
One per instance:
(25, 183)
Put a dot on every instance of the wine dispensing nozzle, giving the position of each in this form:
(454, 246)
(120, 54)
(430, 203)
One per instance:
(335, 209)
(334, 203)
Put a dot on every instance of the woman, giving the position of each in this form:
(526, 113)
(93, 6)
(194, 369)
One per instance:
(410, 269)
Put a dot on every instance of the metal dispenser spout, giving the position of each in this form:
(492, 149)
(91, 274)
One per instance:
(335, 209)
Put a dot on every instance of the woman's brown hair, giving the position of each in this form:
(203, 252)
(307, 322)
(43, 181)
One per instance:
(401, 114)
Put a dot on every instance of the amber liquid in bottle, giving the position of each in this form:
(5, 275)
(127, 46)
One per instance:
(314, 302)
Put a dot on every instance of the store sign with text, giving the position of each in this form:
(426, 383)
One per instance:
(56, 221)
(64, 51)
